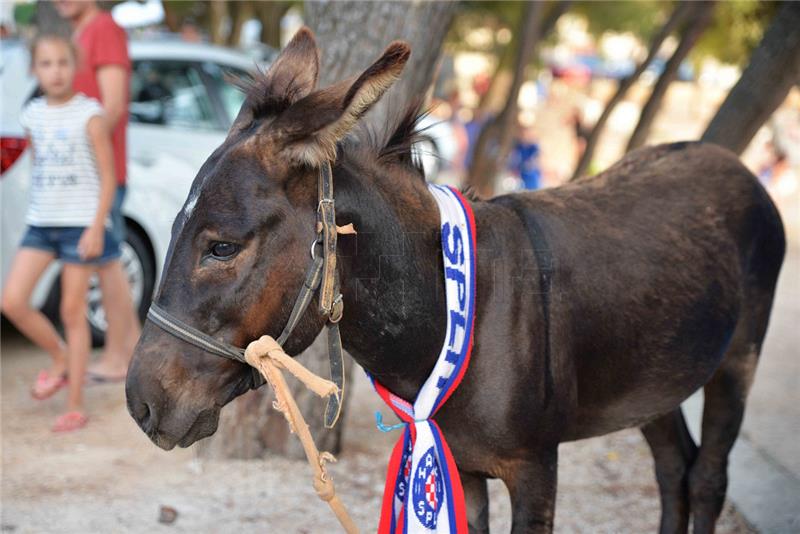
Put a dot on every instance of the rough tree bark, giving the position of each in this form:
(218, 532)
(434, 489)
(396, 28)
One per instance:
(351, 35)
(681, 12)
(773, 69)
(270, 15)
(699, 21)
(496, 137)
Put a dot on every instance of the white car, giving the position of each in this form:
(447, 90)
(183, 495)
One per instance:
(180, 110)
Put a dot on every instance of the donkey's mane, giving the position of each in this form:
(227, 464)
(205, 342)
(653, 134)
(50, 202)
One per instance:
(260, 97)
(392, 146)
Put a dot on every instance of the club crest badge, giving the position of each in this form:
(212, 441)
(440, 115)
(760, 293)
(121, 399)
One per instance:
(423, 492)
(427, 489)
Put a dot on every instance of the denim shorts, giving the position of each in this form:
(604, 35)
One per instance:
(63, 242)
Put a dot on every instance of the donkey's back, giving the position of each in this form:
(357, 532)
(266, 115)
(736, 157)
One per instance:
(669, 260)
(660, 278)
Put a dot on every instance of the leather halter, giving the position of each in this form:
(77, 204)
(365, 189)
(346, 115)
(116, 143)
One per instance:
(320, 274)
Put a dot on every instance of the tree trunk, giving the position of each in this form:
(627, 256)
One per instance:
(774, 68)
(219, 21)
(270, 15)
(243, 10)
(351, 35)
(700, 20)
(497, 136)
(675, 20)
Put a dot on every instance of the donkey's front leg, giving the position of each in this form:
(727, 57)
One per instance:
(477, 501)
(532, 485)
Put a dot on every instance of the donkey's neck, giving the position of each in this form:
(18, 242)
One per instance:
(391, 275)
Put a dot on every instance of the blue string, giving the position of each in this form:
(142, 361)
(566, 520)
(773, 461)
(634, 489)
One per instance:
(384, 428)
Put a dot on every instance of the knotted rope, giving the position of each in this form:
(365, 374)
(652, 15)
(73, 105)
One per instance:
(266, 355)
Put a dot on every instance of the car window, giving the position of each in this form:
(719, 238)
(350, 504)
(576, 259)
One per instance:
(230, 96)
(170, 93)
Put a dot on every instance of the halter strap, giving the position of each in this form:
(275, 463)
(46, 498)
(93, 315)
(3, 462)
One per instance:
(321, 273)
(326, 215)
(172, 325)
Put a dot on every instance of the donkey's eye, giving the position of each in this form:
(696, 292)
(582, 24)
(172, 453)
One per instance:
(222, 250)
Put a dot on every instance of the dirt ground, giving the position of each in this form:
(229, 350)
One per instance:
(108, 477)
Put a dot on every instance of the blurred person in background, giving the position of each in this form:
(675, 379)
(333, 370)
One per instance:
(524, 158)
(777, 174)
(72, 190)
(103, 73)
(190, 32)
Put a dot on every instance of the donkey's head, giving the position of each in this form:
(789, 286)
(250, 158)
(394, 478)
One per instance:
(240, 246)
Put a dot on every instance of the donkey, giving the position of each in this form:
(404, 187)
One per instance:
(600, 305)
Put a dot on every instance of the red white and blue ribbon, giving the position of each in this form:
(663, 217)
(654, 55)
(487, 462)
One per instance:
(423, 492)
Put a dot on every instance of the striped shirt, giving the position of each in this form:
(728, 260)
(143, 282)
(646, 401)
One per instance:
(65, 184)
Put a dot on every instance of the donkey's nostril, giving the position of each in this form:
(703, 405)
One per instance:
(143, 416)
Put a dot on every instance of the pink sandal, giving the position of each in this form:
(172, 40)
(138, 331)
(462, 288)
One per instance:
(46, 386)
(70, 421)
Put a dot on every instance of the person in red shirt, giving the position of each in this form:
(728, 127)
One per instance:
(104, 70)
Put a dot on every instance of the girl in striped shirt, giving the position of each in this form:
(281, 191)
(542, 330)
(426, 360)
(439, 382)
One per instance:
(71, 193)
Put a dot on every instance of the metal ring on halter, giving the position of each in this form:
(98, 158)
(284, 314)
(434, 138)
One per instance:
(313, 249)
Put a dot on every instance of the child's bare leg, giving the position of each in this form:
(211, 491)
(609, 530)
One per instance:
(74, 285)
(26, 269)
(123, 324)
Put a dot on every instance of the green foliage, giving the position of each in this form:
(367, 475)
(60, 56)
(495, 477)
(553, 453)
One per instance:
(24, 13)
(491, 15)
(735, 31)
(640, 17)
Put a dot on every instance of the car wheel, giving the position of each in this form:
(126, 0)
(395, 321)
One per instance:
(139, 266)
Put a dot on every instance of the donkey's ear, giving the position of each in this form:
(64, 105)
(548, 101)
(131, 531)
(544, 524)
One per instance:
(308, 131)
(294, 72)
(291, 77)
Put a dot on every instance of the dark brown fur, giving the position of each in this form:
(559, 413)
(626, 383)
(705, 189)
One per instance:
(600, 305)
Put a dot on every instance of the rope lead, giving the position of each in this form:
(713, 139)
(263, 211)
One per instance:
(266, 355)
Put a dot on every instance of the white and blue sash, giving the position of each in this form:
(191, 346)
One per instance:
(423, 492)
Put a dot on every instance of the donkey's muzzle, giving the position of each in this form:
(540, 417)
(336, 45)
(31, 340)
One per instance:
(143, 415)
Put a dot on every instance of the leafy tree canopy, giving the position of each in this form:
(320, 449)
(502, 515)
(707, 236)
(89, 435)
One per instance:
(640, 17)
(735, 31)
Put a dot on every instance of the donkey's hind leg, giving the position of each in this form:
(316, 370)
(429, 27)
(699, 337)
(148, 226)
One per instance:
(723, 411)
(674, 451)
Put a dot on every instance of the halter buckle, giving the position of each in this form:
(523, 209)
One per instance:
(337, 310)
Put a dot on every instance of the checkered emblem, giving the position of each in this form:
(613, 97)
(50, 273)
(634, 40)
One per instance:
(430, 490)
(427, 489)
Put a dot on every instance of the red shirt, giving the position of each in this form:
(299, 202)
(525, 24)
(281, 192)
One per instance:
(102, 42)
